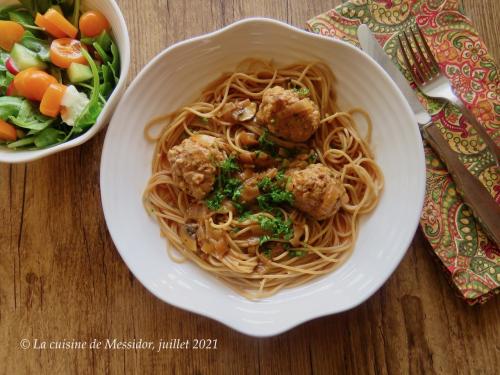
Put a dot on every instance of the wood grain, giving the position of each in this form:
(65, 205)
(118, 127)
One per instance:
(62, 278)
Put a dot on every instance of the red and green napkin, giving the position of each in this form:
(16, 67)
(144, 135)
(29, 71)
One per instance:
(471, 260)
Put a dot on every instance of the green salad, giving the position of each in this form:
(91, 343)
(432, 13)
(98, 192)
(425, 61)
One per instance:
(58, 67)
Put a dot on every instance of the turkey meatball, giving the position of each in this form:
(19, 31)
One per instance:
(317, 191)
(288, 115)
(194, 164)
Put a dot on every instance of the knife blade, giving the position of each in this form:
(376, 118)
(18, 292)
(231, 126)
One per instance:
(370, 45)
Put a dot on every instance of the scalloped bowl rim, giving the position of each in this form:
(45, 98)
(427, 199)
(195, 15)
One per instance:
(24, 156)
(236, 325)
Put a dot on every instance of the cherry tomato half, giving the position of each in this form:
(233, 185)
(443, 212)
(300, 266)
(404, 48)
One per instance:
(10, 33)
(65, 51)
(92, 23)
(32, 83)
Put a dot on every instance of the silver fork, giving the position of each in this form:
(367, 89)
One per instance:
(433, 83)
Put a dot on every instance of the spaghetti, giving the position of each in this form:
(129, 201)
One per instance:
(253, 219)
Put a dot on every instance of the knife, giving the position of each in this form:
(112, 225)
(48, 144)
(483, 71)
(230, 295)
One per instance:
(370, 45)
(472, 191)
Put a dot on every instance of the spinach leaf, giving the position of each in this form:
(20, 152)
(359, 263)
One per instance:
(115, 64)
(102, 54)
(30, 5)
(40, 46)
(5, 10)
(5, 76)
(104, 40)
(23, 142)
(76, 10)
(22, 17)
(5, 80)
(56, 72)
(41, 6)
(29, 117)
(108, 52)
(87, 40)
(3, 57)
(10, 106)
(107, 81)
(35, 6)
(94, 108)
(49, 137)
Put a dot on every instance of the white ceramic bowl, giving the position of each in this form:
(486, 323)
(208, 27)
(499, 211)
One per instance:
(174, 78)
(119, 30)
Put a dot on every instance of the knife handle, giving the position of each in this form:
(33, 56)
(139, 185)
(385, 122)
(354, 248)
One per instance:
(474, 194)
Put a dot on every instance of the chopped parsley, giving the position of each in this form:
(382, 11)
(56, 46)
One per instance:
(296, 253)
(229, 166)
(280, 176)
(266, 252)
(227, 186)
(245, 215)
(281, 196)
(232, 188)
(276, 226)
(215, 200)
(302, 91)
(273, 192)
(267, 145)
(265, 184)
(241, 208)
(264, 239)
(313, 158)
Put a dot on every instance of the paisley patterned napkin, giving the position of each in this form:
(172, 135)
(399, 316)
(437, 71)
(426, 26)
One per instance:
(470, 259)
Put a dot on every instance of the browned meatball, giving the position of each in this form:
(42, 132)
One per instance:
(317, 191)
(194, 164)
(288, 115)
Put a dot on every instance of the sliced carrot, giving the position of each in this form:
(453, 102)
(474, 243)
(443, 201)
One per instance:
(58, 20)
(49, 27)
(92, 23)
(7, 131)
(51, 101)
(10, 33)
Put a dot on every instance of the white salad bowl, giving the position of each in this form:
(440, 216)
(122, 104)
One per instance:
(175, 78)
(120, 33)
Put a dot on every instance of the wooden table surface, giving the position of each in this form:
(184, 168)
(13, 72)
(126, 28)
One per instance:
(62, 278)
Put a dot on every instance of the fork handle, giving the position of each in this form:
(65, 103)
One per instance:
(481, 131)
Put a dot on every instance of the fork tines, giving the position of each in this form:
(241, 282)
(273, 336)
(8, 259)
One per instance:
(422, 66)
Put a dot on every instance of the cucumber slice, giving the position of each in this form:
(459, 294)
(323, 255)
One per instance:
(79, 73)
(25, 58)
